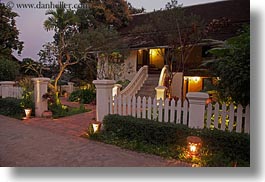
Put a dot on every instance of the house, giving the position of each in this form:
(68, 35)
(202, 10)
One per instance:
(146, 51)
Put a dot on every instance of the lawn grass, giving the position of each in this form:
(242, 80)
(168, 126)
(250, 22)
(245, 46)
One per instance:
(59, 111)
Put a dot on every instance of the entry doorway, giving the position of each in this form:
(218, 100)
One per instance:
(153, 58)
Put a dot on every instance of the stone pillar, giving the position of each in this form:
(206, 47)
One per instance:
(197, 101)
(116, 89)
(71, 87)
(6, 85)
(161, 92)
(104, 93)
(40, 88)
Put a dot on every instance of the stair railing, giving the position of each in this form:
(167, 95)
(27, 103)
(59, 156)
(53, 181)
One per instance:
(136, 83)
(164, 73)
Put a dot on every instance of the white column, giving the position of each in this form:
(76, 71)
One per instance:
(104, 93)
(40, 88)
(197, 101)
(6, 87)
(71, 87)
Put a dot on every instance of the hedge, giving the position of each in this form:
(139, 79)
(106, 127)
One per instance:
(84, 96)
(11, 107)
(144, 130)
(226, 148)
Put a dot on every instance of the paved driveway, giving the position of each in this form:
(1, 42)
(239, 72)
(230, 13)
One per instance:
(42, 142)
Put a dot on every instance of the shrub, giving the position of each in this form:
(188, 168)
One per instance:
(220, 148)
(59, 110)
(11, 107)
(124, 83)
(234, 146)
(144, 130)
(85, 96)
(9, 70)
(27, 100)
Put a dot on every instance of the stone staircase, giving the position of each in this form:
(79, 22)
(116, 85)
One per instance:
(148, 88)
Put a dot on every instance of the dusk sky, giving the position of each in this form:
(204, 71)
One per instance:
(30, 21)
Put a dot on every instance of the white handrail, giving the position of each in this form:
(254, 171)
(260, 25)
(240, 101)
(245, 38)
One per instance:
(163, 75)
(136, 83)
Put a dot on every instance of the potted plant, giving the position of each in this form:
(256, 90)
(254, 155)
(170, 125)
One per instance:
(27, 100)
(27, 103)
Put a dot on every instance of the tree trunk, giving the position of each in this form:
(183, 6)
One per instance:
(57, 100)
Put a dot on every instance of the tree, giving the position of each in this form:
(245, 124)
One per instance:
(33, 68)
(134, 10)
(80, 34)
(9, 70)
(64, 23)
(102, 20)
(107, 12)
(232, 66)
(8, 32)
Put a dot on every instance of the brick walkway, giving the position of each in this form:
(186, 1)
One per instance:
(48, 142)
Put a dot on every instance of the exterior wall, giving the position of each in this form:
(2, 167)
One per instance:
(195, 84)
(130, 65)
(192, 84)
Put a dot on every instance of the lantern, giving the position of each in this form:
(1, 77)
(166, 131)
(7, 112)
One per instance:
(194, 145)
(28, 113)
(95, 126)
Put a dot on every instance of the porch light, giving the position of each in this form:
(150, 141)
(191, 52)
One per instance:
(196, 79)
(192, 78)
(194, 145)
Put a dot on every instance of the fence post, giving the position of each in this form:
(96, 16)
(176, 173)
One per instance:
(197, 102)
(104, 93)
(6, 85)
(40, 88)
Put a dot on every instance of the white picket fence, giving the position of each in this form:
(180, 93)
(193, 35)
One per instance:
(14, 92)
(175, 112)
(232, 118)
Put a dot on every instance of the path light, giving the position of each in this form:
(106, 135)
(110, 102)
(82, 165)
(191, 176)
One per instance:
(194, 145)
(95, 126)
(28, 113)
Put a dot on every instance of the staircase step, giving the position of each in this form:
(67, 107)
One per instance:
(148, 88)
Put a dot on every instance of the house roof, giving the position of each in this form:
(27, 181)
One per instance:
(237, 11)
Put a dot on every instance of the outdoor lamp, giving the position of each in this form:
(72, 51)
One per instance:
(196, 79)
(96, 126)
(28, 113)
(194, 145)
